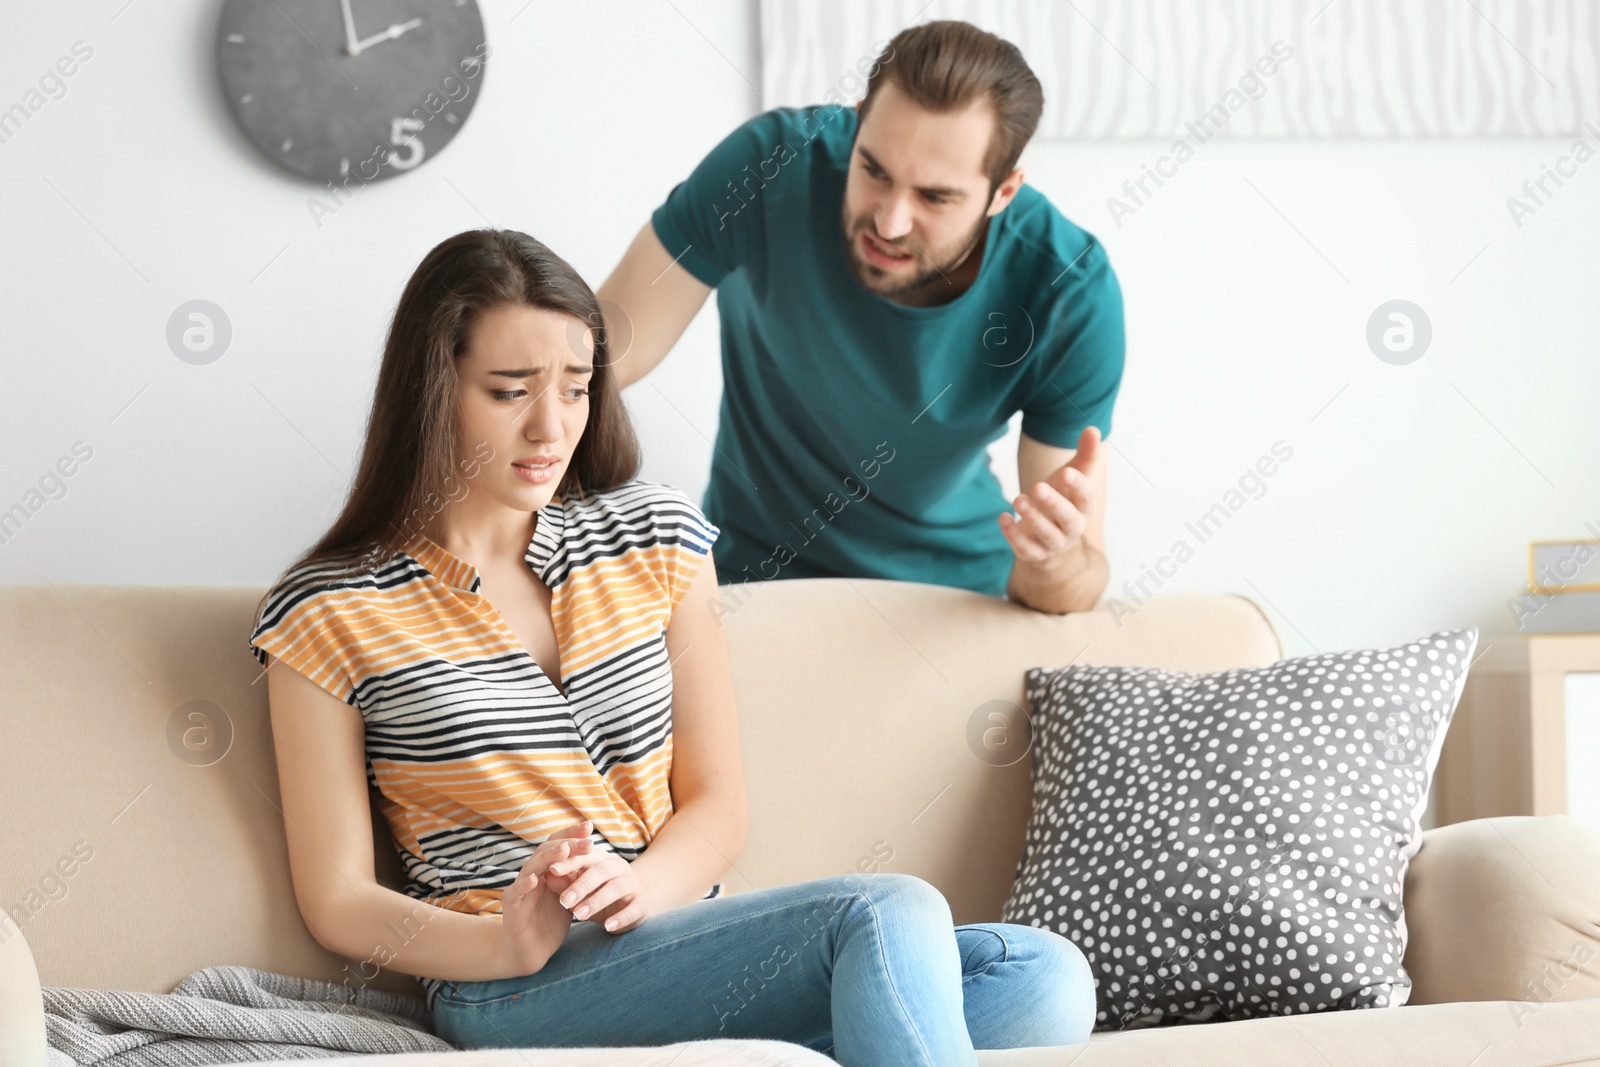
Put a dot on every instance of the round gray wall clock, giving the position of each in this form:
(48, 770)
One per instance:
(351, 90)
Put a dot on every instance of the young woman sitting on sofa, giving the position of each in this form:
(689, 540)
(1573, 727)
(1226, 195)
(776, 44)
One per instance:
(511, 637)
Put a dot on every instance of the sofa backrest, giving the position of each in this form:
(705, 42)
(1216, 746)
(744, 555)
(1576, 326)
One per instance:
(881, 729)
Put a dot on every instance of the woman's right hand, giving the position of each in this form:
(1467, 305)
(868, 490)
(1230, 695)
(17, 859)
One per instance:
(534, 923)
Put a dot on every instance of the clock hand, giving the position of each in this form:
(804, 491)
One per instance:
(388, 35)
(351, 47)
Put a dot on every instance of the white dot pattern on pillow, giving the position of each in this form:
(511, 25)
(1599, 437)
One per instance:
(1234, 844)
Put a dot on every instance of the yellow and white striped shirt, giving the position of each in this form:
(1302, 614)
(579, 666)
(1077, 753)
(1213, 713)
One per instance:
(478, 755)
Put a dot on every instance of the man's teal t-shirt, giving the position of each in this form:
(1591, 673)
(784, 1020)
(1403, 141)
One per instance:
(853, 430)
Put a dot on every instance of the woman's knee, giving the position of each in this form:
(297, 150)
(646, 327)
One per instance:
(1072, 978)
(907, 892)
(900, 897)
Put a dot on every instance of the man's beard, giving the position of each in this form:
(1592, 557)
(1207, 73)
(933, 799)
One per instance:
(935, 271)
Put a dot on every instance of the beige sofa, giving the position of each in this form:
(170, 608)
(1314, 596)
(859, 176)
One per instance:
(855, 699)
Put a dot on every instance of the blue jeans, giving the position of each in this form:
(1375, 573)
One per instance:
(868, 968)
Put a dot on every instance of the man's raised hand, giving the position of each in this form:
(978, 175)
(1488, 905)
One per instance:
(1052, 515)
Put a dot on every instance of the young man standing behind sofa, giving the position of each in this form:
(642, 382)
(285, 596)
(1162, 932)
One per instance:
(890, 294)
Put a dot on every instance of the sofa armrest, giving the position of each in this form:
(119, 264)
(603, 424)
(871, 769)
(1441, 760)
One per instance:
(22, 1035)
(1504, 909)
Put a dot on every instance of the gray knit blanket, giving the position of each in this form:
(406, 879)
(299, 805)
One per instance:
(232, 1015)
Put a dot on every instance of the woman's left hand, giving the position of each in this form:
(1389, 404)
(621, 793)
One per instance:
(601, 886)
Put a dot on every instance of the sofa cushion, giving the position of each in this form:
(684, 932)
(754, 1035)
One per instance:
(712, 1052)
(1492, 1034)
(1234, 844)
(1528, 889)
(22, 1030)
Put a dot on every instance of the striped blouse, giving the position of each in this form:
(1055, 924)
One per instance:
(477, 755)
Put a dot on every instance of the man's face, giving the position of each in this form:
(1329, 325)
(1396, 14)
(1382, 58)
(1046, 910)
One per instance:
(917, 198)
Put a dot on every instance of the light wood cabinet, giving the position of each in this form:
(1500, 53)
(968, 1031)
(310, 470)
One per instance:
(1505, 753)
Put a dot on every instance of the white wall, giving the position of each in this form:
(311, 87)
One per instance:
(222, 473)
(1413, 490)
(1248, 278)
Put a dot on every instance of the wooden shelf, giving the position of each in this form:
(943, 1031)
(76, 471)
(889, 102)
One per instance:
(1505, 753)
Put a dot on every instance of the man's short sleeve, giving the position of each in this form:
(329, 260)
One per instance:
(306, 623)
(683, 538)
(1076, 381)
(711, 222)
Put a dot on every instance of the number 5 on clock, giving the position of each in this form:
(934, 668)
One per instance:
(402, 135)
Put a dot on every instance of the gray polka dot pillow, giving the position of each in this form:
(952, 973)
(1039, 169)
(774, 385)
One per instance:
(1234, 845)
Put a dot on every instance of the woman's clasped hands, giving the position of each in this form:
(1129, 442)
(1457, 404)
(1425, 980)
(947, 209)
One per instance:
(568, 878)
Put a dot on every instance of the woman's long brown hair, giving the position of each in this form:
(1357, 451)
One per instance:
(409, 461)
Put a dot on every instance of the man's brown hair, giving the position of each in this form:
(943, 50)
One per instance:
(944, 65)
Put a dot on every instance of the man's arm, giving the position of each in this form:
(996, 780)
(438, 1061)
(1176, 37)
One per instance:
(648, 301)
(1075, 577)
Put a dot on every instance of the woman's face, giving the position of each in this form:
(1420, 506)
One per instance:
(523, 401)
